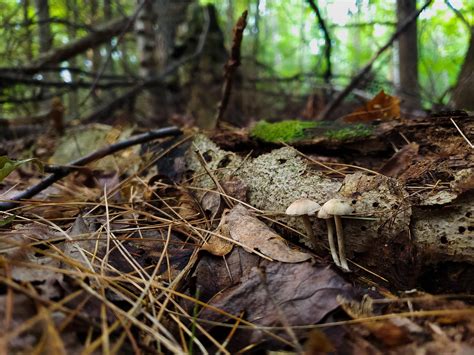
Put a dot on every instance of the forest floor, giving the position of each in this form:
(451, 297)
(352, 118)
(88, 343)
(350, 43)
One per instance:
(171, 247)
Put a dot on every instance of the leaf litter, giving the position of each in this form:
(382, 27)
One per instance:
(152, 260)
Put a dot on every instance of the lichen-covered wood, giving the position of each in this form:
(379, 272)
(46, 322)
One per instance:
(397, 242)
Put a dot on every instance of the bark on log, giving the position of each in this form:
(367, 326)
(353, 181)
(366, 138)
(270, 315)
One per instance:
(402, 241)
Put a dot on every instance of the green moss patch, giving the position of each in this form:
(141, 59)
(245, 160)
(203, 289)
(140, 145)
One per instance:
(284, 131)
(356, 131)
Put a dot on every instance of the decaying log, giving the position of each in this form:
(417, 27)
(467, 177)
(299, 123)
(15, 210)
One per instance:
(400, 241)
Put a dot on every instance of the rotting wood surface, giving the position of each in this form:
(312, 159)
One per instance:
(402, 241)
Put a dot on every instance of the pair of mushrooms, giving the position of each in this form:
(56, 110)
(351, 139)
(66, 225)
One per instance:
(334, 208)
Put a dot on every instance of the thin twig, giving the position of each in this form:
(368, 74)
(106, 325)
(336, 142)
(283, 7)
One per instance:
(347, 90)
(462, 134)
(231, 66)
(458, 14)
(98, 154)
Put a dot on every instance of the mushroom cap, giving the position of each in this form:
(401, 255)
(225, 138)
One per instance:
(323, 214)
(303, 206)
(336, 207)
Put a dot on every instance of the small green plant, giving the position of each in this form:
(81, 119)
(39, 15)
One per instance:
(284, 131)
(356, 131)
(7, 165)
(196, 309)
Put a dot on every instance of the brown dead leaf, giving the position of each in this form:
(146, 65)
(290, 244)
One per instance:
(21, 309)
(219, 246)
(382, 106)
(20, 247)
(304, 294)
(82, 242)
(187, 207)
(236, 188)
(257, 236)
(211, 203)
(392, 332)
(318, 343)
(214, 274)
(399, 162)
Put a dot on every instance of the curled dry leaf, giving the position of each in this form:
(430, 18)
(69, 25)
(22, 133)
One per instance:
(211, 203)
(382, 106)
(20, 247)
(400, 161)
(257, 236)
(236, 188)
(83, 241)
(392, 332)
(215, 274)
(219, 246)
(303, 293)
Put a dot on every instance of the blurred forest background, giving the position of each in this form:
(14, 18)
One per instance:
(162, 61)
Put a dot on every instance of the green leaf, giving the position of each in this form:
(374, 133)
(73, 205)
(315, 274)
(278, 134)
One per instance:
(6, 221)
(7, 165)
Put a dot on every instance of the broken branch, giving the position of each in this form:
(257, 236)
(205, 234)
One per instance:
(98, 154)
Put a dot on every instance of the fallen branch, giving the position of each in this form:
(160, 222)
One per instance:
(231, 66)
(98, 154)
(100, 36)
(347, 90)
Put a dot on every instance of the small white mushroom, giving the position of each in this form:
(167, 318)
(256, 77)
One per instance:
(332, 246)
(304, 207)
(338, 208)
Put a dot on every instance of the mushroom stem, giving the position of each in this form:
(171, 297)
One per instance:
(340, 242)
(332, 245)
(308, 226)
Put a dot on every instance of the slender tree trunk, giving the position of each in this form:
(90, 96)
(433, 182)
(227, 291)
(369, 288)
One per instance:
(256, 41)
(29, 35)
(28, 43)
(96, 58)
(230, 18)
(155, 48)
(108, 14)
(146, 47)
(73, 16)
(355, 33)
(45, 38)
(463, 94)
(409, 89)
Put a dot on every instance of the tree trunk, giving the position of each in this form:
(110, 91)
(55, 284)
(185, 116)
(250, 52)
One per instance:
(146, 47)
(95, 56)
(45, 38)
(409, 89)
(463, 93)
(73, 16)
(230, 17)
(108, 47)
(155, 48)
(26, 20)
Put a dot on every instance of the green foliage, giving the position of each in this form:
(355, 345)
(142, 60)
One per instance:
(6, 221)
(355, 131)
(291, 42)
(7, 165)
(284, 131)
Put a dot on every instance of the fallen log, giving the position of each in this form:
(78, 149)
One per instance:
(401, 240)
